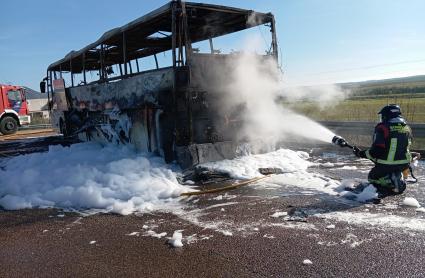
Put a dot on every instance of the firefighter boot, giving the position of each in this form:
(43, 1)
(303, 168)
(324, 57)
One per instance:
(399, 185)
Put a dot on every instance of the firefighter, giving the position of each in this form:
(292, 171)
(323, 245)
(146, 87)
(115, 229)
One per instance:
(389, 151)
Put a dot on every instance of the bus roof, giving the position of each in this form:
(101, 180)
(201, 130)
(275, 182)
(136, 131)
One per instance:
(204, 21)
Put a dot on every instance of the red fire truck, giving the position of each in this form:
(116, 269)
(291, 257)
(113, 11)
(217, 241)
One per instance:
(13, 108)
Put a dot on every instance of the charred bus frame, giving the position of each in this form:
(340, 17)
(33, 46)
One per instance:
(163, 105)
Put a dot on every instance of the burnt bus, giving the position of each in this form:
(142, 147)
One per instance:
(109, 91)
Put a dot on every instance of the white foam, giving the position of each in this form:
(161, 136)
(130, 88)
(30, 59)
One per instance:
(346, 167)
(116, 179)
(352, 240)
(292, 225)
(227, 233)
(294, 165)
(411, 202)
(247, 166)
(279, 214)
(226, 196)
(134, 234)
(367, 194)
(307, 262)
(155, 234)
(193, 238)
(176, 239)
(328, 165)
(89, 176)
(221, 205)
(376, 219)
(421, 209)
(348, 183)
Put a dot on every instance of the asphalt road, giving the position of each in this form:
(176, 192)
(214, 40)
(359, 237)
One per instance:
(226, 235)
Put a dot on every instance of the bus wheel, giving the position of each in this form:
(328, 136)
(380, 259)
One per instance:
(8, 125)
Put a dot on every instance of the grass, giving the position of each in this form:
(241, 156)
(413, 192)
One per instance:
(362, 109)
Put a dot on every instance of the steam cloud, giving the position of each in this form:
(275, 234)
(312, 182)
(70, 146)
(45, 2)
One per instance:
(257, 82)
(324, 96)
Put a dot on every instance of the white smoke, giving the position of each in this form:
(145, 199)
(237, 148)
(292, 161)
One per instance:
(257, 83)
(323, 96)
(253, 20)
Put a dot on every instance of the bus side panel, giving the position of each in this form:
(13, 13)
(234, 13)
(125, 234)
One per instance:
(128, 93)
(129, 111)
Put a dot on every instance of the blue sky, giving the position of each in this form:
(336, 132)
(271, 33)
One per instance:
(321, 41)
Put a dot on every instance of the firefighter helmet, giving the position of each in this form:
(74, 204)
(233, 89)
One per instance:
(390, 111)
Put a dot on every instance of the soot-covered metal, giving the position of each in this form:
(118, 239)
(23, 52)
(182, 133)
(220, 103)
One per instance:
(175, 111)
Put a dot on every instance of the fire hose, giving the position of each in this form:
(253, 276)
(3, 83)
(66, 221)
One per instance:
(225, 188)
(266, 172)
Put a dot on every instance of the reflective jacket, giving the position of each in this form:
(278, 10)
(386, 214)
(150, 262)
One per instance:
(391, 143)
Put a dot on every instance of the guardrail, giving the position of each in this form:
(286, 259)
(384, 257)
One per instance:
(357, 128)
(366, 128)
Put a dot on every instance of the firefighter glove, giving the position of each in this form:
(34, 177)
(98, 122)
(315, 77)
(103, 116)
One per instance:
(359, 153)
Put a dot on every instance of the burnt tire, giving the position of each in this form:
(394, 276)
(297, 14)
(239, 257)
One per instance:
(8, 125)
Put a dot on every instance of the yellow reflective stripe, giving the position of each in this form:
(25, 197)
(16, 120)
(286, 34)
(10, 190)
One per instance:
(399, 128)
(367, 152)
(395, 162)
(385, 181)
(368, 155)
(391, 154)
(393, 149)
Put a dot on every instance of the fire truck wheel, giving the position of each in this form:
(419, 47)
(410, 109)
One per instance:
(8, 125)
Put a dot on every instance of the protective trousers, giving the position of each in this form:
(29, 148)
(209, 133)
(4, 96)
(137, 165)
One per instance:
(388, 177)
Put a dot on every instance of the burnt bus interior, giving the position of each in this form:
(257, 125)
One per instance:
(173, 110)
